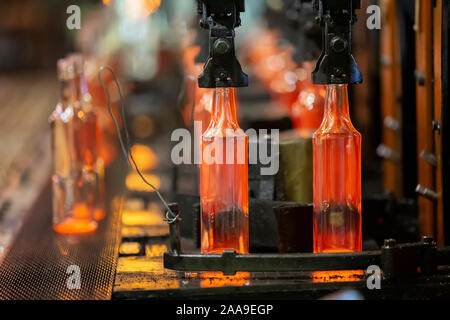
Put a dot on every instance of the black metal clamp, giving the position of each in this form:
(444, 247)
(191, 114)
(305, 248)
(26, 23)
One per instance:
(336, 65)
(222, 68)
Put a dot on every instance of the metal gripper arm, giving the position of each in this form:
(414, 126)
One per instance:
(222, 69)
(336, 65)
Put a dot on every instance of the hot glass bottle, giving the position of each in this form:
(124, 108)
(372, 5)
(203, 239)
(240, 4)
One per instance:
(224, 179)
(337, 178)
(87, 146)
(66, 195)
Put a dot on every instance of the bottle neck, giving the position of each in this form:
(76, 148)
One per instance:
(73, 91)
(83, 85)
(81, 89)
(337, 102)
(67, 92)
(223, 112)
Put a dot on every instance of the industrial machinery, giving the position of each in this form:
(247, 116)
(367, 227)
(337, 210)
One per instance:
(336, 67)
(293, 178)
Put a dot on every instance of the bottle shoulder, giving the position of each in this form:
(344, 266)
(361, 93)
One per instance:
(337, 126)
(221, 132)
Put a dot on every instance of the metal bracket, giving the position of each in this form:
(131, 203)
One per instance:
(229, 262)
(398, 262)
(336, 65)
(427, 193)
(222, 68)
(403, 261)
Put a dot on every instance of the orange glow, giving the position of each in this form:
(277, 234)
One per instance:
(150, 217)
(337, 178)
(307, 111)
(99, 214)
(155, 250)
(134, 182)
(86, 140)
(85, 124)
(75, 188)
(217, 279)
(81, 211)
(75, 226)
(142, 126)
(106, 135)
(144, 156)
(138, 218)
(190, 66)
(261, 45)
(224, 179)
(337, 276)
(273, 65)
(87, 145)
(198, 98)
(133, 268)
(284, 85)
(108, 150)
(107, 2)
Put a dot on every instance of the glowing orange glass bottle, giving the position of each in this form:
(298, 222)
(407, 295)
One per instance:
(90, 164)
(66, 193)
(337, 178)
(224, 179)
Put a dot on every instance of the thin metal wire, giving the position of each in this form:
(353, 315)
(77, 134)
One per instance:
(170, 216)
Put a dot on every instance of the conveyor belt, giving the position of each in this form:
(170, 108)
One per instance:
(37, 262)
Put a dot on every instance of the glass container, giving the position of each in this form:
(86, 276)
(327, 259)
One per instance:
(337, 178)
(224, 179)
(68, 213)
(87, 145)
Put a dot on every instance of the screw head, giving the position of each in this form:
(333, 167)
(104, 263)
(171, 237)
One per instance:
(203, 24)
(338, 44)
(436, 126)
(221, 46)
(338, 71)
(427, 240)
(388, 243)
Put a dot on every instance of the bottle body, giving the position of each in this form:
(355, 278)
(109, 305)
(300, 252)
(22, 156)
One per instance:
(88, 179)
(69, 211)
(224, 180)
(337, 178)
(87, 146)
